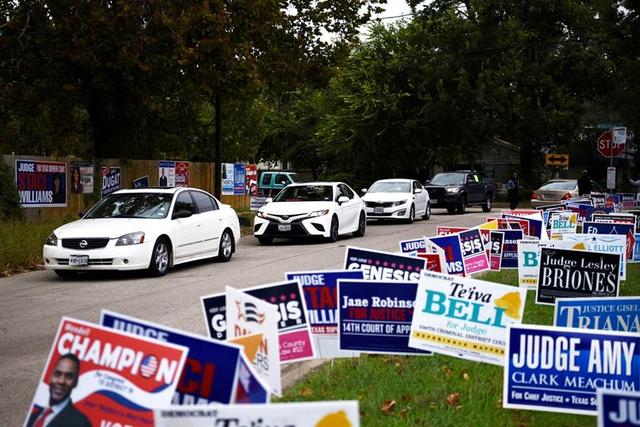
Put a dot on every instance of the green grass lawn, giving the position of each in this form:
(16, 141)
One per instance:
(436, 390)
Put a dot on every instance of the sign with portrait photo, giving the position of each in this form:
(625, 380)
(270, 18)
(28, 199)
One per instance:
(41, 184)
(81, 177)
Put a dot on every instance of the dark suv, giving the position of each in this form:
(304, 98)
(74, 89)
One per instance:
(457, 190)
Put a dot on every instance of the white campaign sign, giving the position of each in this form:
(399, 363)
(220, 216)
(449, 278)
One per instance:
(248, 315)
(316, 414)
(604, 243)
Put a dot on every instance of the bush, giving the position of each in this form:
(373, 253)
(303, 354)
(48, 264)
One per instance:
(9, 198)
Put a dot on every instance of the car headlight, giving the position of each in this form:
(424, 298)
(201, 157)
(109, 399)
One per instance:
(52, 240)
(400, 203)
(261, 214)
(318, 213)
(130, 239)
(453, 190)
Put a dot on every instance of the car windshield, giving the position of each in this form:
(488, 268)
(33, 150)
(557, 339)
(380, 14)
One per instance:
(294, 177)
(305, 193)
(448, 179)
(559, 185)
(132, 205)
(390, 187)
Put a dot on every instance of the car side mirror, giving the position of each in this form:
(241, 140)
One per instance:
(268, 200)
(182, 213)
(342, 199)
(417, 191)
(364, 190)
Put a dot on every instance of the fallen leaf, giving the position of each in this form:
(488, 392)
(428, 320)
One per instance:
(389, 406)
(453, 399)
(306, 392)
(466, 376)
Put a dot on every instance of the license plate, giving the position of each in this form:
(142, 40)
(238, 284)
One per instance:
(79, 260)
(378, 210)
(284, 227)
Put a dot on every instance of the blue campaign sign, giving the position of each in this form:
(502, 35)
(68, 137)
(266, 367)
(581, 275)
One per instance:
(618, 408)
(210, 372)
(375, 317)
(609, 314)
(320, 290)
(614, 228)
(559, 369)
(413, 245)
(452, 252)
(379, 265)
(636, 250)
(510, 248)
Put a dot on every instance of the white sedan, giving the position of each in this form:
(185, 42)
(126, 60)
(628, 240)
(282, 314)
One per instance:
(397, 199)
(147, 228)
(325, 209)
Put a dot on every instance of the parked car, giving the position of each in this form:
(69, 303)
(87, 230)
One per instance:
(555, 190)
(272, 182)
(148, 228)
(326, 209)
(397, 199)
(457, 190)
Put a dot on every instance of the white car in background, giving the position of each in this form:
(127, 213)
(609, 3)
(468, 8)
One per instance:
(403, 199)
(324, 209)
(147, 228)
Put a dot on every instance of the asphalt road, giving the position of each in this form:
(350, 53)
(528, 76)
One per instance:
(32, 304)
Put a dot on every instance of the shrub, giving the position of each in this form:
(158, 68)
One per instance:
(9, 198)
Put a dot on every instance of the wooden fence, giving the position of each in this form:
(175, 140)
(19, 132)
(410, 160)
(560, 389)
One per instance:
(200, 176)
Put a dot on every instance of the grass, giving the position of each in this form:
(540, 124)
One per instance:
(435, 390)
(21, 244)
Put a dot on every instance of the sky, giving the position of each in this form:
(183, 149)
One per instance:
(392, 13)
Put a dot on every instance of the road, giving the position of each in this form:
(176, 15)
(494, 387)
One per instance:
(32, 304)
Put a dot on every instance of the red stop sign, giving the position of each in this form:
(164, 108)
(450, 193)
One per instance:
(606, 147)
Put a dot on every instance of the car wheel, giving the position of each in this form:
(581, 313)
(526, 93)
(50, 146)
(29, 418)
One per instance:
(412, 215)
(225, 251)
(265, 240)
(362, 225)
(488, 204)
(66, 274)
(462, 206)
(427, 211)
(159, 264)
(333, 231)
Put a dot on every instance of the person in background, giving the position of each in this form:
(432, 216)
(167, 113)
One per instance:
(584, 184)
(512, 190)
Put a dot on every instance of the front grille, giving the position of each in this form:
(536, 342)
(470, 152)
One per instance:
(437, 193)
(288, 217)
(297, 230)
(379, 205)
(91, 243)
(92, 261)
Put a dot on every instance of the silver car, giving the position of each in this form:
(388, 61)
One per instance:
(556, 190)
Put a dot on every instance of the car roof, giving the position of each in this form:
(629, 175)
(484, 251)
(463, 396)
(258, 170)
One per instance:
(316, 183)
(168, 190)
(561, 180)
(395, 180)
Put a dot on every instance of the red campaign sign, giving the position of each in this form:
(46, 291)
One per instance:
(606, 147)
(433, 262)
(445, 231)
(99, 376)
(182, 174)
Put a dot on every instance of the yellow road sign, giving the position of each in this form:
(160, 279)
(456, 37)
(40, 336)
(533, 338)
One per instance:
(556, 159)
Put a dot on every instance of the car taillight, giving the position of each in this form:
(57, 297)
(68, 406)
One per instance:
(534, 195)
(566, 196)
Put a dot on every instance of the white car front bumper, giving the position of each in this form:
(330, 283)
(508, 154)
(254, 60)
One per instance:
(317, 226)
(393, 212)
(111, 257)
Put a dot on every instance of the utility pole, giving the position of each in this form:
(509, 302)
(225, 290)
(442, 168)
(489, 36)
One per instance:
(217, 166)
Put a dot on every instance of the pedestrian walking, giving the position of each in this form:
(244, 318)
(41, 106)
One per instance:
(512, 190)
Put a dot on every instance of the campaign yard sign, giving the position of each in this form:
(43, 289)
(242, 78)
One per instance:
(442, 230)
(434, 262)
(618, 408)
(608, 314)
(142, 182)
(606, 243)
(167, 173)
(81, 177)
(342, 413)
(566, 273)
(238, 179)
(450, 244)
(510, 248)
(250, 315)
(495, 249)
(182, 174)
(41, 184)
(320, 290)
(413, 245)
(120, 377)
(110, 179)
(473, 251)
(294, 333)
(375, 316)
(379, 265)
(212, 368)
(464, 317)
(559, 369)
(563, 223)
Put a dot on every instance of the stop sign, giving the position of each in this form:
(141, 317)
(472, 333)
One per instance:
(606, 147)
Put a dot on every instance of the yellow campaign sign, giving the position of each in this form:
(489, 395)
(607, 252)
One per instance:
(556, 159)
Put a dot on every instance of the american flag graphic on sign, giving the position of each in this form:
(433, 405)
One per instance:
(148, 366)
